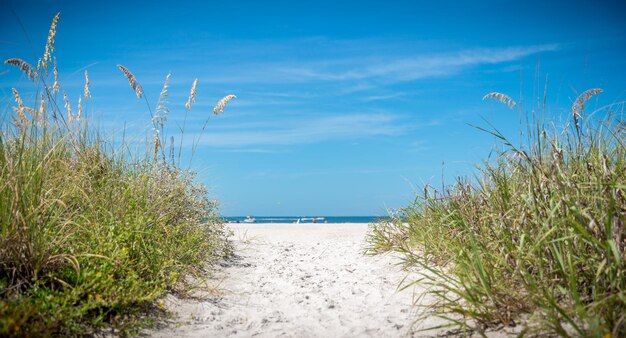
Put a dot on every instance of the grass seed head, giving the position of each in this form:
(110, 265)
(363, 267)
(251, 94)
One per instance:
(579, 105)
(18, 98)
(42, 106)
(161, 109)
(16, 122)
(87, 84)
(24, 66)
(68, 107)
(50, 43)
(502, 98)
(132, 81)
(55, 73)
(192, 95)
(20, 109)
(80, 109)
(221, 104)
(20, 114)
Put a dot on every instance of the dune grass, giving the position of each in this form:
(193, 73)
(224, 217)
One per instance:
(91, 235)
(536, 239)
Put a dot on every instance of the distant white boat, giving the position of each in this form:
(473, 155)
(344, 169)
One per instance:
(249, 219)
(311, 220)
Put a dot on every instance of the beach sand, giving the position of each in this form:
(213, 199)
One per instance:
(301, 280)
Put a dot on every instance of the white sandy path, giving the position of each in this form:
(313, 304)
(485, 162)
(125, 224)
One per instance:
(306, 280)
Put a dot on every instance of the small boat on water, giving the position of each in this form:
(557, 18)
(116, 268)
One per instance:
(249, 219)
(311, 220)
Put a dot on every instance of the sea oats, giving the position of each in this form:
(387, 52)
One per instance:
(87, 84)
(579, 104)
(20, 114)
(55, 73)
(18, 98)
(68, 107)
(192, 95)
(17, 122)
(24, 66)
(19, 110)
(132, 81)
(80, 108)
(501, 97)
(160, 115)
(50, 43)
(42, 106)
(219, 107)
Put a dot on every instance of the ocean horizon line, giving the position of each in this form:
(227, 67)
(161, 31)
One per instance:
(304, 219)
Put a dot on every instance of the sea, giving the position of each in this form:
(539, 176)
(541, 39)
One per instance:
(308, 219)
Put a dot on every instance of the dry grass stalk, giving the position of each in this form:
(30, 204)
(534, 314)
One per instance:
(18, 98)
(24, 66)
(579, 104)
(20, 109)
(42, 106)
(501, 97)
(50, 43)
(68, 107)
(80, 108)
(192, 95)
(221, 104)
(161, 109)
(55, 72)
(132, 81)
(20, 104)
(17, 122)
(87, 84)
(21, 116)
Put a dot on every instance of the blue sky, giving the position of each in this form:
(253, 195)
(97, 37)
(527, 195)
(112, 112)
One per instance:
(344, 107)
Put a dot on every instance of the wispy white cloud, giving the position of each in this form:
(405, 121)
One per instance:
(308, 130)
(253, 150)
(81, 69)
(308, 60)
(418, 146)
(415, 67)
(278, 174)
(382, 97)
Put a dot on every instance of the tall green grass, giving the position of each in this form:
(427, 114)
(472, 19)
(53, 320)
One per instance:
(91, 235)
(537, 239)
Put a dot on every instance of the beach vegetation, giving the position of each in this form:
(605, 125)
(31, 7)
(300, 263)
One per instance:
(92, 234)
(536, 239)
